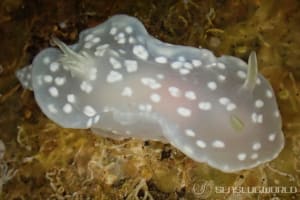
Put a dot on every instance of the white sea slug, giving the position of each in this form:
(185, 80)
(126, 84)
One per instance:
(119, 78)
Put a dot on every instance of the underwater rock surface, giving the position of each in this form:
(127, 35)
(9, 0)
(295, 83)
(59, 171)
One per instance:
(42, 160)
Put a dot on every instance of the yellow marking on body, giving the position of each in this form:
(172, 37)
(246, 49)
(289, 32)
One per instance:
(236, 123)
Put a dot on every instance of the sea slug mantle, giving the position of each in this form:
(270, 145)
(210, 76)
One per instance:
(217, 110)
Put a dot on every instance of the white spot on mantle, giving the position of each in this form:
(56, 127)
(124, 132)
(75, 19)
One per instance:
(67, 108)
(60, 80)
(155, 98)
(48, 78)
(204, 105)
(52, 108)
(127, 91)
(113, 77)
(86, 87)
(174, 91)
(128, 29)
(54, 67)
(242, 156)
(196, 63)
(259, 103)
(230, 107)
(269, 93)
(184, 112)
(131, 65)
(150, 82)
(212, 85)
(113, 31)
(161, 59)
(140, 52)
(89, 111)
(241, 74)
(201, 144)
(46, 60)
(272, 137)
(256, 146)
(71, 98)
(257, 118)
(224, 100)
(190, 133)
(221, 77)
(116, 64)
(53, 91)
(218, 144)
(190, 95)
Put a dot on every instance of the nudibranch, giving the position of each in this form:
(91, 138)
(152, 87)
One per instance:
(118, 78)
